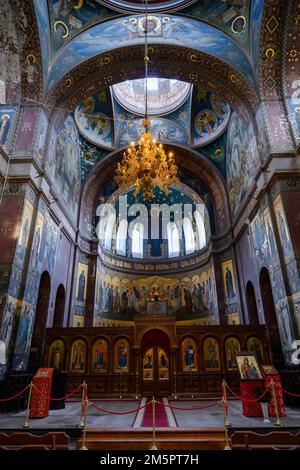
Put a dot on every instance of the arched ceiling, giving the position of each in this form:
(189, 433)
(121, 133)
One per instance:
(165, 61)
(187, 160)
(72, 32)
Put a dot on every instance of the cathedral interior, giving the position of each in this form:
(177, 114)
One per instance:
(149, 297)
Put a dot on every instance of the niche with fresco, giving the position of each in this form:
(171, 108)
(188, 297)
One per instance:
(191, 298)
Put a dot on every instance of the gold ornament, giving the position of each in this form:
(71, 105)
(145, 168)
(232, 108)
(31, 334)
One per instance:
(145, 165)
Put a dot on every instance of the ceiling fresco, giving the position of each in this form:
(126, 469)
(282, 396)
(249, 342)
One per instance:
(128, 128)
(129, 30)
(210, 117)
(230, 16)
(153, 5)
(94, 119)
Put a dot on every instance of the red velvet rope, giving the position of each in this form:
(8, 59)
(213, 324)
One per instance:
(15, 396)
(247, 400)
(188, 409)
(290, 393)
(57, 399)
(119, 412)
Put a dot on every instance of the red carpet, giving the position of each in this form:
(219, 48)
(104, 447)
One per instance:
(161, 420)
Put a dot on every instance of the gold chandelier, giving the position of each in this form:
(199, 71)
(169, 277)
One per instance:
(146, 165)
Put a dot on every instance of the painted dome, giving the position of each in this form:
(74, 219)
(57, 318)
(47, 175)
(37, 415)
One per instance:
(164, 95)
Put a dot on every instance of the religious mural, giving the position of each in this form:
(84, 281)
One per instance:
(51, 144)
(100, 356)
(254, 345)
(290, 70)
(286, 242)
(8, 320)
(265, 252)
(128, 128)
(148, 365)
(162, 29)
(232, 347)
(189, 355)
(91, 117)
(42, 130)
(256, 20)
(121, 355)
(69, 18)
(23, 341)
(78, 356)
(232, 16)
(57, 355)
(44, 248)
(10, 206)
(190, 298)
(63, 163)
(242, 160)
(163, 365)
(24, 230)
(81, 284)
(211, 116)
(42, 258)
(211, 354)
(229, 282)
(7, 119)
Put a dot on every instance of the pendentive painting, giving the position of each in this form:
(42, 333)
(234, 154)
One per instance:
(100, 354)
(232, 348)
(121, 356)
(211, 354)
(78, 355)
(189, 355)
(57, 354)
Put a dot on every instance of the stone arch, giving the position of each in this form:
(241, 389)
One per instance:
(187, 159)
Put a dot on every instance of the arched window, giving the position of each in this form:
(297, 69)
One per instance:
(189, 236)
(173, 240)
(200, 229)
(109, 231)
(138, 241)
(122, 238)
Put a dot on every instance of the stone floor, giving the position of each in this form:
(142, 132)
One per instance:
(69, 417)
(213, 417)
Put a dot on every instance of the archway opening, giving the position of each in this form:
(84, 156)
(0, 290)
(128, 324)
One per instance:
(58, 318)
(155, 352)
(251, 304)
(40, 321)
(272, 329)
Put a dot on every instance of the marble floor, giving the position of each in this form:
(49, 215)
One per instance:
(69, 417)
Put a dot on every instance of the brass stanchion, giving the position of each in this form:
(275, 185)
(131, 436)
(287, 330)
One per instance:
(224, 396)
(120, 386)
(191, 382)
(278, 421)
(83, 447)
(175, 385)
(137, 378)
(26, 423)
(153, 425)
(227, 445)
(81, 422)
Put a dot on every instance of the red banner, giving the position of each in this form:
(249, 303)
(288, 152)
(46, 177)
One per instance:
(39, 404)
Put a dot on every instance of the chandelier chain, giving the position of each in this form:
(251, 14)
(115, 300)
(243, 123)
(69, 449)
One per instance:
(146, 166)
